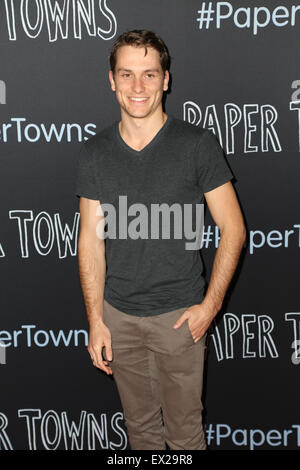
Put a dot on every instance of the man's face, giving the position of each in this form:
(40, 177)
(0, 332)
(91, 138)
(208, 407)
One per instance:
(139, 81)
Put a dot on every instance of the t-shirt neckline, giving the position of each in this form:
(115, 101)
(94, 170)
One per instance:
(155, 139)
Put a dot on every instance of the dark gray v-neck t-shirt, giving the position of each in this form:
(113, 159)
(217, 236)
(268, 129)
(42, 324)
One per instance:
(148, 275)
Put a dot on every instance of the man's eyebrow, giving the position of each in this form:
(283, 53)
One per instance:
(128, 70)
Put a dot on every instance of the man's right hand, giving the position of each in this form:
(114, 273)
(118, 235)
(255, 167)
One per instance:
(100, 336)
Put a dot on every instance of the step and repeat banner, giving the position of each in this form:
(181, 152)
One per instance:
(235, 70)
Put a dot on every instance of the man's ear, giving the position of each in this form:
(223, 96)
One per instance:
(166, 80)
(112, 81)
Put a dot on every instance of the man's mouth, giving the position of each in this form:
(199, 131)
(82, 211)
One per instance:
(138, 100)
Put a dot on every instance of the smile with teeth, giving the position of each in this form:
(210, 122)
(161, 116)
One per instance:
(138, 100)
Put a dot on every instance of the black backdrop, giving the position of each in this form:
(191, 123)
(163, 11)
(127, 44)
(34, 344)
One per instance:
(239, 77)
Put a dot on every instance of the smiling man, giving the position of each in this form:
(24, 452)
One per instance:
(145, 297)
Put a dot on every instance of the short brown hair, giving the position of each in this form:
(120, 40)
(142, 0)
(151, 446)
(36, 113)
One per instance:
(141, 38)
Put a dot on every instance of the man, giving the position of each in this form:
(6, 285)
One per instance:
(144, 295)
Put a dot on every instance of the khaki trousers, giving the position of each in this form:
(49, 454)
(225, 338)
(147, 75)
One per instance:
(158, 371)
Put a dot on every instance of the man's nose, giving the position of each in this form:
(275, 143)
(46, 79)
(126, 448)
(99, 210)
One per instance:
(138, 85)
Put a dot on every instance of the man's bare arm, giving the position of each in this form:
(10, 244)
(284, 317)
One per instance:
(225, 210)
(92, 270)
(91, 259)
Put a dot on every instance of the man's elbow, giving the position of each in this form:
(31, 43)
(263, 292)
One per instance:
(91, 241)
(235, 230)
(242, 232)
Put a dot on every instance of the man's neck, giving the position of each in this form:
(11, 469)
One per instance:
(139, 131)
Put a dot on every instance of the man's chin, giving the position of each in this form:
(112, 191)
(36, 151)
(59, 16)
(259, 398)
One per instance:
(138, 115)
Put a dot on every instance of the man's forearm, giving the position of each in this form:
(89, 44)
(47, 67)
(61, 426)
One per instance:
(225, 262)
(92, 271)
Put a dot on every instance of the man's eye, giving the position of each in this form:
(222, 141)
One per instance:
(126, 75)
(150, 75)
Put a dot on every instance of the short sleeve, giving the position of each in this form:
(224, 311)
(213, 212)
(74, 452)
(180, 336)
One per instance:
(85, 175)
(212, 168)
